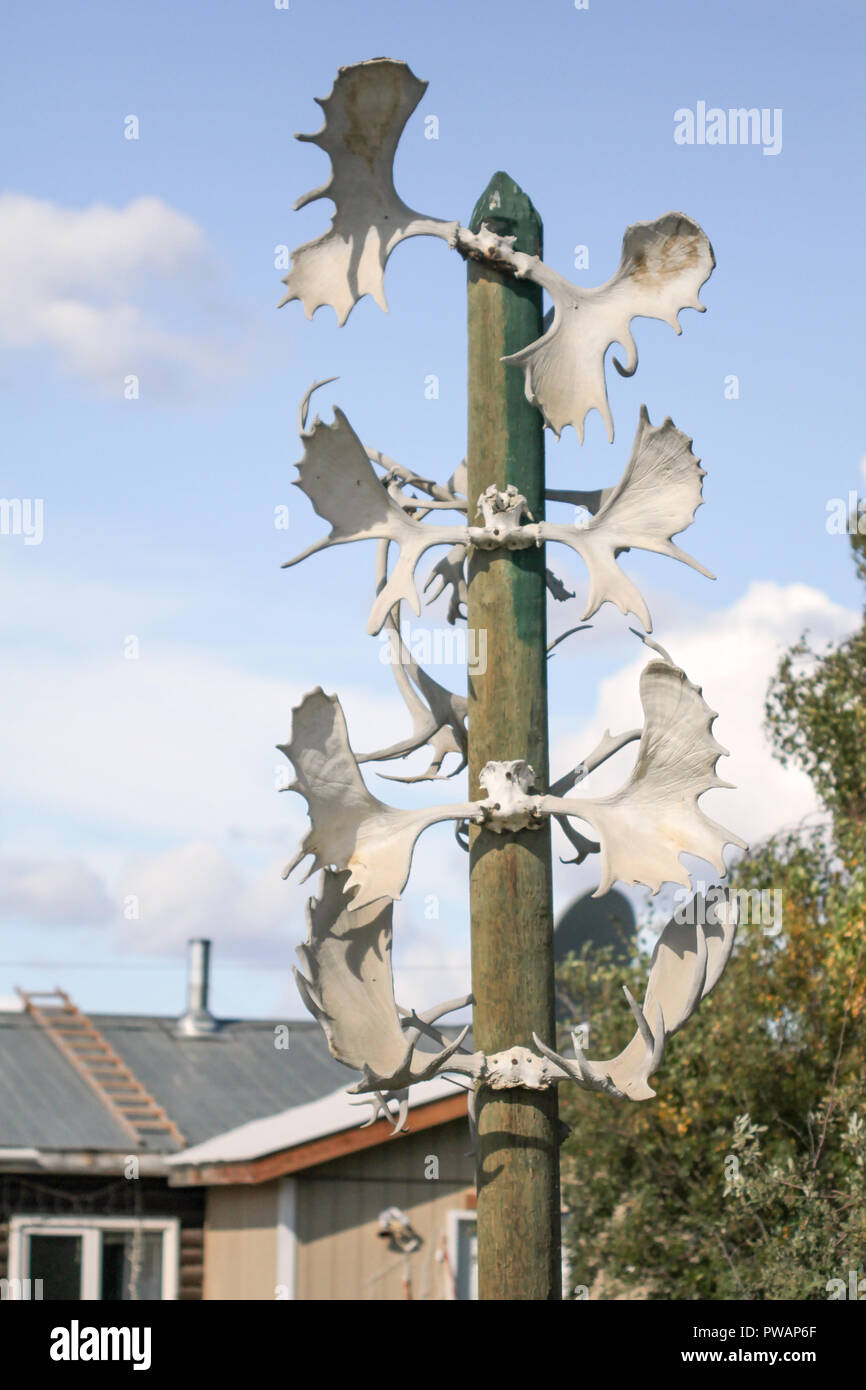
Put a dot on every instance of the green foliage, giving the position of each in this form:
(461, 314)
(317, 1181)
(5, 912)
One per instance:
(816, 718)
(744, 1178)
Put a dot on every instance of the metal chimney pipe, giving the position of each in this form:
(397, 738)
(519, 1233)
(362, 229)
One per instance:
(198, 1021)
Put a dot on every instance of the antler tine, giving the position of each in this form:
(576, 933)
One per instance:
(304, 406)
(655, 1042)
(402, 1113)
(596, 1080)
(640, 1018)
(580, 1070)
(379, 1102)
(451, 1006)
(437, 1061)
(582, 844)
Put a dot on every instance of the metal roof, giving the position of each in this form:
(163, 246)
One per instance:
(301, 1124)
(207, 1085)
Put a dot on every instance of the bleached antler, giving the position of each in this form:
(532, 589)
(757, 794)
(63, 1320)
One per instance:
(350, 828)
(642, 829)
(688, 961)
(338, 477)
(656, 497)
(663, 264)
(364, 118)
(661, 270)
(348, 987)
(438, 719)
(654, 818)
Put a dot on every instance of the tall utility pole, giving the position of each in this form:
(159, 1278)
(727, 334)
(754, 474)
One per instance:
(510, 877)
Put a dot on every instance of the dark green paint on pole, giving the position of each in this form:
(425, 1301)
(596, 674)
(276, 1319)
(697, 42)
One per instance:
(510, 874)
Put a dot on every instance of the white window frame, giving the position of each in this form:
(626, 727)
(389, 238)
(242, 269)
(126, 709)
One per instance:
(454, 1220)
(89, 1228)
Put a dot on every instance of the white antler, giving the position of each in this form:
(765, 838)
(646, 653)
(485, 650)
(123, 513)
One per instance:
(438, 715)
(642, 829)
(688, 961)
(350, 828)
(661, 270)
(338, 477)
(349, 988)
(656, 497)
(654, 818)
(364, 118)
(663, 264)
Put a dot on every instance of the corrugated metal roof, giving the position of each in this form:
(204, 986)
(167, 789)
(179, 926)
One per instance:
(300, 1125)
(207, 1085)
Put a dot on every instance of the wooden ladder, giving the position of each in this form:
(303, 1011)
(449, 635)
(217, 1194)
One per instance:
(94, 1058)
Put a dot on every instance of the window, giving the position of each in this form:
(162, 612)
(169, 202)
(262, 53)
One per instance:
(463, 1253)
(96, 1258)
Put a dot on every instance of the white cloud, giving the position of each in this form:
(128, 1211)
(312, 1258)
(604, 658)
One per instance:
(84, 283)
(52, 892)
(195, 890)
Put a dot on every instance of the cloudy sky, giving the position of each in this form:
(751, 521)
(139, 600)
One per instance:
(154, 649)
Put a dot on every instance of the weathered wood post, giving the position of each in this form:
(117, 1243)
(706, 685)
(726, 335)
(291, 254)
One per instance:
(510, 876)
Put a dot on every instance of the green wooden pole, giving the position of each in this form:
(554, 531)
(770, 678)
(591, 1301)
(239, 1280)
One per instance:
(510, 875)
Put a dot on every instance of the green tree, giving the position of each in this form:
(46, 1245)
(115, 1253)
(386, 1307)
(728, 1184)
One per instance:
(745, 1177)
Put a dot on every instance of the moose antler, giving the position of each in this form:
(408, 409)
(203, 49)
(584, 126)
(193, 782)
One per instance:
(364, 118)
(642, 829)
(654, 818)
(438, 715)
(349, 989)
(663, 264)
(688, 961)
(657, 496)
(350, 828)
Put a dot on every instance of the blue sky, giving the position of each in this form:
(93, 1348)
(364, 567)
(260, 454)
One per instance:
(156, 777)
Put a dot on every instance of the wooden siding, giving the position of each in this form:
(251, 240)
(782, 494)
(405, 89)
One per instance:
(341, 1256)
(240, 1242)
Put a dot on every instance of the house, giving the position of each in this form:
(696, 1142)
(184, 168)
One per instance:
(191, 1158)
(295, 1202)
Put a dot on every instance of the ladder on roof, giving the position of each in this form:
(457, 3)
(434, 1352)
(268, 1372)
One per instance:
(94, 1059)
